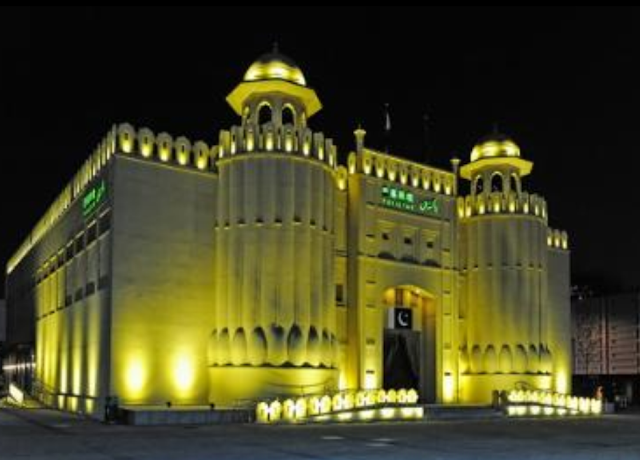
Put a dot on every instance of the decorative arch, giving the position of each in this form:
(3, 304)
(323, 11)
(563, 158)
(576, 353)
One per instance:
(478, 185)
(265, 113)
(410, 341)
(514, 183)
(497, 182)
(288, 114)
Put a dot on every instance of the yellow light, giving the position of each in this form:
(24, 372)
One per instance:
(289, 409)
(391, 396)
(387, 412)
(367, 414)
(561, 382)
(325, 404)
(184, 374)
(534, 410)
(344, 416)
(135, 376)
(274, 69)
(275, 410)
(449, 387)
(262, 412)
(16, 393)
(336, 403)
(412, 396)
(348, 402)
(491, 149)
(301, 408)
(370, 380)
(411, 412)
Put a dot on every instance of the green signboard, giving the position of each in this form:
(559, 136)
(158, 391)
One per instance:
(94, 198)
(404, 200)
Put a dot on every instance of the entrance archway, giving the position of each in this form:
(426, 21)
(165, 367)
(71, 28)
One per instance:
(409, 341)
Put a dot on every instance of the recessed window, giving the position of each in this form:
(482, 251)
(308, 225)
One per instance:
(408, 240)
(385, 236)
(430, 244)
(339, 293)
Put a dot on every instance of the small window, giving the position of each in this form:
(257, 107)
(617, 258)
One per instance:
(104, 223)
(479, 185)
(79, 243)
(339, 293)
(385, 236)
(408, 240)
(430, 244)
(91, 233)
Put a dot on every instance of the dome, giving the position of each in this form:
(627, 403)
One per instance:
(495, 145)
(275, 66)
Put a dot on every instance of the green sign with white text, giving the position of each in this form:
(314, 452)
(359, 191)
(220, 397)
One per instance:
(94, 198)
(404, 200)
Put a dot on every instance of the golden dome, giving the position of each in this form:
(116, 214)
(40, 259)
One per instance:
(495, 151)
(495, 146)
(275, 66)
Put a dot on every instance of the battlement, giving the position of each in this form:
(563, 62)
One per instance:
(163, 148)
(502, 203)
(557, 239)
(271, 138)
(407, 173)
(122, 139)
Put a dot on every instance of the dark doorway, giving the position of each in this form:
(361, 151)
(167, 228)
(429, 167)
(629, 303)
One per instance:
(401, 359)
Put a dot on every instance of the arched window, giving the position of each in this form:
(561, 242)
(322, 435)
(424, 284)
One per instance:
(479, 186)
(265, 114)
(288, 115)
(496, 182)
(514, 183)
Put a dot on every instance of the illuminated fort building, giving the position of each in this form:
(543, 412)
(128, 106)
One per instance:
(176, 271)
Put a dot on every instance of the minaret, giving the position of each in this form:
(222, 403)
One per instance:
(274, 241)
(504, 233)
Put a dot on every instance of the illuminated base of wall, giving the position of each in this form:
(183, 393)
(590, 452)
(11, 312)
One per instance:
(478, 388)
(230, 385)
(70, 403)
(521, 403)
(410, 412)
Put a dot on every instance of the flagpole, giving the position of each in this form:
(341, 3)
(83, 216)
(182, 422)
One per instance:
(387, 127)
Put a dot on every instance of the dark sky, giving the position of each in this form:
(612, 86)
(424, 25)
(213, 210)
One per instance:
(564, 83)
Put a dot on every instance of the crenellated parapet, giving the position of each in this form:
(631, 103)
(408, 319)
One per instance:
(502, 203)
(163, 148)
(121, 139)
(557, 239)
(270, 137)
(404, 172)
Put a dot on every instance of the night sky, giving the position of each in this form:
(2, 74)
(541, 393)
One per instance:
(564, 83)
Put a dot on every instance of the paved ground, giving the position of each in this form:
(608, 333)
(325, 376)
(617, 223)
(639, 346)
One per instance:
(50, 435)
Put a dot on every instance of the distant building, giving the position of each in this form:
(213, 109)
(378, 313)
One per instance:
(606, 343)
(175, 271)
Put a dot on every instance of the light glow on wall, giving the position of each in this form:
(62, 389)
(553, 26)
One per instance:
(136, 377)
(184, 374)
